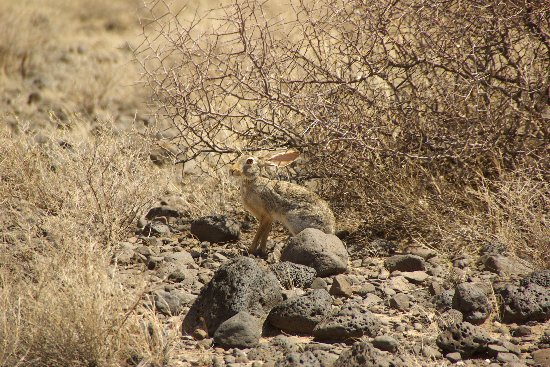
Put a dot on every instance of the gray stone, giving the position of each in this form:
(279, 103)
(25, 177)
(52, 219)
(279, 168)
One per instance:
(155, 229)
(304, 359)
(522, 304)
(364, 354)
(471, 300)
(352, 320)
(319, 283)
(505, 266)
(301, 314)
(242, 330)
(541, 357)
(400, 301)
(341, 287)
(405, 263)
(507, 357)
(463, 338)
(415, 277)
(292, 275)
(385, 343)
(365, 289)
(171, 303)
(325, 253)
(216, 229)
(541, 278)
(454, 357)
(180, 258)
(240, 284)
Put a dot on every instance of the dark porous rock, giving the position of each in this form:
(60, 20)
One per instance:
(463, 338)
(541, 278)
(325, 253)
(522, 304)
(304, 359)
(163, 211)
(505, 266)
(301, 314)
(400, 301)
(444, 300)
(471, 300)
(240, 284)
(385, 343)
(243, 330)
(341, 287)
(363, 354)
(352, 320)
(216, 229)
(405, 263)
(292, 275)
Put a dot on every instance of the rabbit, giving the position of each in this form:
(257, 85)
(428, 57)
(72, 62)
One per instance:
(268, 200)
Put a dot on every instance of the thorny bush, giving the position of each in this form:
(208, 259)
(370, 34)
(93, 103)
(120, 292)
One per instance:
(401, 108)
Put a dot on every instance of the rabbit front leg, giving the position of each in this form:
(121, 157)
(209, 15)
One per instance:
(260, 239)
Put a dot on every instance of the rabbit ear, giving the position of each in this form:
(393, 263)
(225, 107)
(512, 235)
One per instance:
(283, 159)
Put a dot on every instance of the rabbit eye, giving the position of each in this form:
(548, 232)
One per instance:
(250, 161)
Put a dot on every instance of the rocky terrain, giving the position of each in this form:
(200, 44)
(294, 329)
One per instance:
(82, 285)
(378, 306)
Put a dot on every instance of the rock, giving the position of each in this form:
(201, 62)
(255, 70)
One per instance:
(521, 330)
(507, 357)
(541, 357)
(405, 263)
(341, 287)
(319, 283)
(170, 303)
(292, 275)
(415, 277)
(371, 299)
(454, 357)
(364, 354)
(522, 304)
(444, 301)
(163, 211)
(216, 229)
(471, 300)
(155, 229)
(305, 359)
(240, 284)
(463, 338)
(352, 320)
(241, 331)
(400, 301)
(381, 247)
(181, 258)
(385, 343)
(505, 266)
(301, 314)
(541, 278)
(325, 253)
(423, 252)
(365, 289)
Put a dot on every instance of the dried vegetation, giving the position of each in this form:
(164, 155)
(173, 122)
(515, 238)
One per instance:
(428, 120)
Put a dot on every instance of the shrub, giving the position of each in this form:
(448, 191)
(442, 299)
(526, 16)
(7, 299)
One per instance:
(403, 110)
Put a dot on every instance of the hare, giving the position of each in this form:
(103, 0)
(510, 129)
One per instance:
(290, 204)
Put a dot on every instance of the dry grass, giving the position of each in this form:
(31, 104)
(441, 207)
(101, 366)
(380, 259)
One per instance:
(67, 202)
